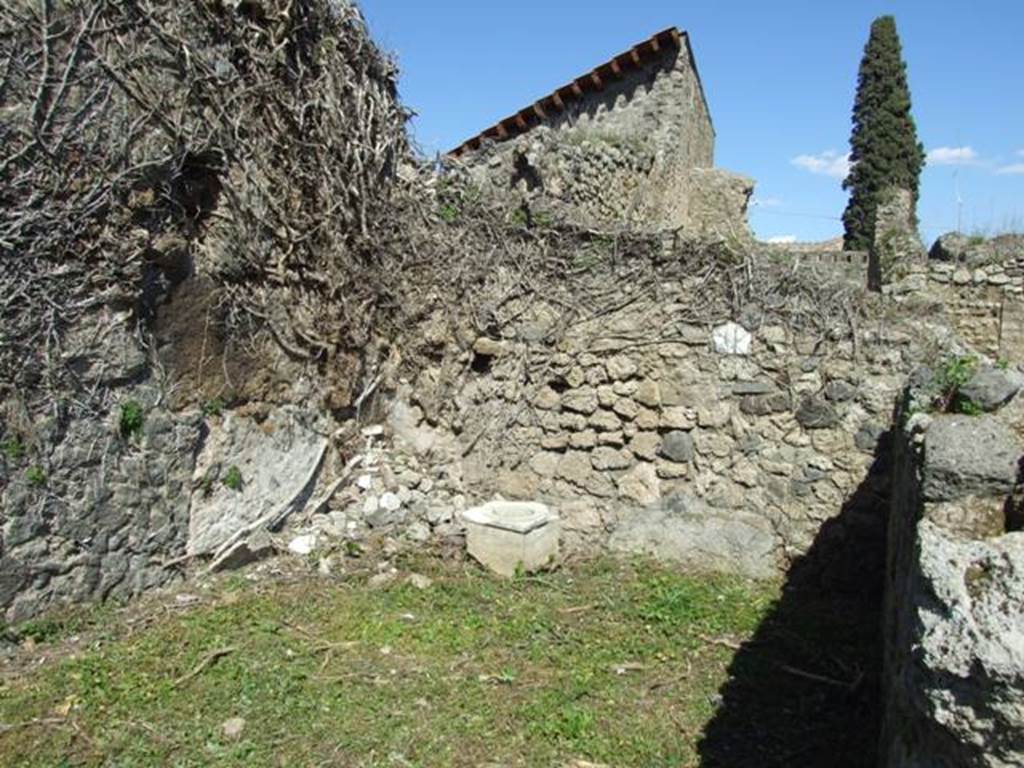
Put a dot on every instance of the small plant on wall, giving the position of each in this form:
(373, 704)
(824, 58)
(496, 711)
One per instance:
(36, 477)
(12, 448)
(131, 419)
(233, 478)
(952, 375)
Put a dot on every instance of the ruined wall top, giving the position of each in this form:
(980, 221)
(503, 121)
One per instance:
(606, 88)
(631, 145)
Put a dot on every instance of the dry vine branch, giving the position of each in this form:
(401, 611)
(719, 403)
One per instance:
(144, 142)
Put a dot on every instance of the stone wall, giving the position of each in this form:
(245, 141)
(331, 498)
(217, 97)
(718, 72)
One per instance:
(623, 156)
(954, 609)
(983, 301)
(850, 266)
(89, 512)
(720, 445)
(897, 244)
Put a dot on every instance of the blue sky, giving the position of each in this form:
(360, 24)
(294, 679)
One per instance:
(780, 78)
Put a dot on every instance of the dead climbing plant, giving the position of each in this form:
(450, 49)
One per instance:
(255, 142)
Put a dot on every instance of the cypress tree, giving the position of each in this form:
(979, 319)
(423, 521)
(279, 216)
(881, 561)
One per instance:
(884, 150)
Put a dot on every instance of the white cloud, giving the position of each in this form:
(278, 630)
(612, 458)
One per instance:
(952, 156)
(782, 239)
(765, 202)
(1015, 169)
(828, 163)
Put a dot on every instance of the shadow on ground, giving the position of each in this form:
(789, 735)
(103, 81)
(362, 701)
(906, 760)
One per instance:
(804, 690)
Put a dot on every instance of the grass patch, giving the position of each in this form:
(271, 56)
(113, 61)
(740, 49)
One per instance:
(610, 663)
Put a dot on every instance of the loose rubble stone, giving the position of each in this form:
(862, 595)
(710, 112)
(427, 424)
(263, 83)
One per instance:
(303, 545)
(420, 581)
(418, 531)
(489, 347)
(232, 728)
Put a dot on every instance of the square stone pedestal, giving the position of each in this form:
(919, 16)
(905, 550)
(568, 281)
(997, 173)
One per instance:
(509, 535)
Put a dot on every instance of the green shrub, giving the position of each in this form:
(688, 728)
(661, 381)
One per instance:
(233, 478)
(13, 448)
(213, 407)
(966, 406)
(448, 213)
(132, 418)
(36, 476)
(950, 378)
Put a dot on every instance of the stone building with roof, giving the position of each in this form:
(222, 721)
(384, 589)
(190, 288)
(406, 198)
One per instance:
(630, 143)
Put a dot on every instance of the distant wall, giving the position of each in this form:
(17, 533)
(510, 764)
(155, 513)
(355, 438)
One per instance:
(623, 155)
(824, 257)
(983, 303)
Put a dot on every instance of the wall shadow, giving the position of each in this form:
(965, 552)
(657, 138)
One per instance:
(805, 689)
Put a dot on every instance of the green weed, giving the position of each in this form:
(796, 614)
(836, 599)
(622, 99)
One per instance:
(952, 374)
(131, 419)
(233, 478)
(213, 407)
(13, 448)
(448, 213)
(36, 477)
